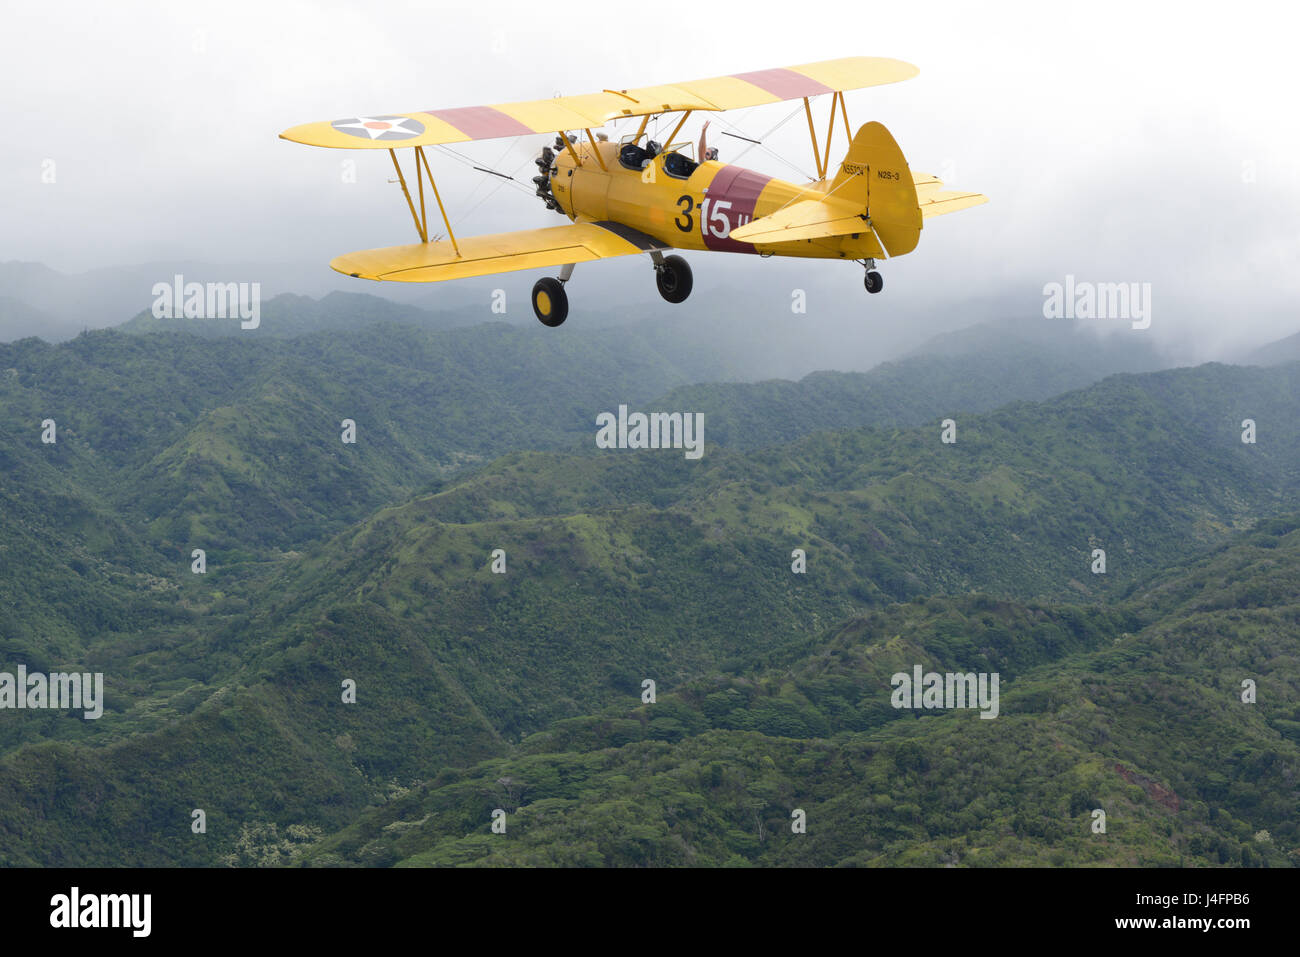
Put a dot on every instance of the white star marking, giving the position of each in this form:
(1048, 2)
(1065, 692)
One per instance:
(375, 127)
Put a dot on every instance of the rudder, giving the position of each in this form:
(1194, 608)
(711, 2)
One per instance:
(874, 174)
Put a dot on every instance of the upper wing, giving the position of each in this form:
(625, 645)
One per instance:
(501, 252)
(429, 127)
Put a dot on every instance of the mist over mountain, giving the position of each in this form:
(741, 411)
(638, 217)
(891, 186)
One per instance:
(287, 316)
(750, 332)
(36, 300)
(19, 320)
(1274, 353)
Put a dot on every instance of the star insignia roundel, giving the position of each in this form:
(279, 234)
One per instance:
(380, 127)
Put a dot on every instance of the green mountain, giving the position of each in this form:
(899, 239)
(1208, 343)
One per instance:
(237, 441)
(1133, 710)
(225, 689)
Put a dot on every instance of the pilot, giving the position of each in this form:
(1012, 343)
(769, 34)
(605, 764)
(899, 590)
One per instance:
(706, 152)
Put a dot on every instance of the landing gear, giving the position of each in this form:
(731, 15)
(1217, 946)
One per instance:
(873, 280)
(673, 277)
(550, 301)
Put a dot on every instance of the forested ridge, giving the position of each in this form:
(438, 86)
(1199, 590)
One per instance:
(523, 691)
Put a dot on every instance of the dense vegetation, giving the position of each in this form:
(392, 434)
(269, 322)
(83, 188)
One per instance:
(1133, 709)
(475, 691)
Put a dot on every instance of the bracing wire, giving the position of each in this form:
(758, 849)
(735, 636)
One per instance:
(760, 139)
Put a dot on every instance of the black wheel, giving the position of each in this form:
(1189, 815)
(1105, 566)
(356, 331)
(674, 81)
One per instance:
(550, 301)
(674, 279)
(873, 281)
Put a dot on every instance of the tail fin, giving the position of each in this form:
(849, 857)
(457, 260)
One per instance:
(875, 175)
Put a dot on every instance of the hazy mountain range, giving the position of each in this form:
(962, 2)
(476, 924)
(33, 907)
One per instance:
(753, 335)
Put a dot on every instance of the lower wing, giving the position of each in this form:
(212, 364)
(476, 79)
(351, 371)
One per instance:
(500, 252)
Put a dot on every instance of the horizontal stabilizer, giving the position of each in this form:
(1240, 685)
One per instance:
(937, 202)
(807, 219)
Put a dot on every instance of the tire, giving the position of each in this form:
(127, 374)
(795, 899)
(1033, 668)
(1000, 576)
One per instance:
(674, 279)
(550, 301)
(873, 281)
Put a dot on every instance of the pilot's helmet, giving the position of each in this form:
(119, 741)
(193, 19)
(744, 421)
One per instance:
(653, 147)
(711, 153)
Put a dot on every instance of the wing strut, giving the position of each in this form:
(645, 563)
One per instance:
(419, 221)
(812, 132)
(673, 135)
(422, 218)
(592, 140)
(419, 152)
(830, 132)
(568, 144)
(823, 164)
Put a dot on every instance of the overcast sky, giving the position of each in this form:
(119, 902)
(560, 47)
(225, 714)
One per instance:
(1116, 142)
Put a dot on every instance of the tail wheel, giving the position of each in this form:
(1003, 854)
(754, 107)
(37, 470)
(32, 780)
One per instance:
(550, 301)
(673, 277)
(873, 281)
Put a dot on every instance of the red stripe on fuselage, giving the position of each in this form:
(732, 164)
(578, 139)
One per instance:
(741, 188)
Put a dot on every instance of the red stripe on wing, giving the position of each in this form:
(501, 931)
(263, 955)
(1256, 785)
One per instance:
(482, 122)
(787, 84)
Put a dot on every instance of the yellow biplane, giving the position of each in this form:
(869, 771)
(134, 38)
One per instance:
(638, 196)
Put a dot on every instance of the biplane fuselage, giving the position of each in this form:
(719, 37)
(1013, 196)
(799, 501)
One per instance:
(687, 205)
